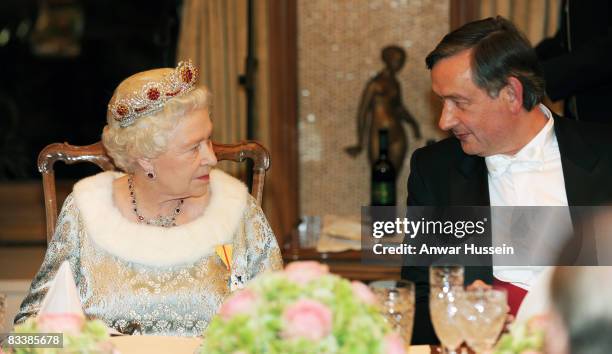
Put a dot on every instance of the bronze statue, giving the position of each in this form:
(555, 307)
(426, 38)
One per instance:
(381, 106)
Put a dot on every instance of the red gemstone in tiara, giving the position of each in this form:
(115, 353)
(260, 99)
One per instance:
(154, 94)
(186, 75)
(122, 110)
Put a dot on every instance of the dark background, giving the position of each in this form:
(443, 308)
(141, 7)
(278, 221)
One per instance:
(55, 98)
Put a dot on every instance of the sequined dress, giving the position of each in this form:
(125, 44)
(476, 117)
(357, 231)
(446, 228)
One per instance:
(143, 279)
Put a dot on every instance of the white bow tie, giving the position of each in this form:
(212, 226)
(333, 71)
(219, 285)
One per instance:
(528, 160)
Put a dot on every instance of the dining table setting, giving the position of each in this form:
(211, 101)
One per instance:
(182, 345)
(377, 318)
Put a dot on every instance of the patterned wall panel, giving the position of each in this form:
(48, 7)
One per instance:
(339, 49)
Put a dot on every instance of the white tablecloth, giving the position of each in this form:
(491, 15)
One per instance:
(154, 344)
(178, 345)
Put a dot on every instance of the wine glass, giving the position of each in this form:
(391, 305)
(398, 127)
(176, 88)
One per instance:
(482, 313)
(396, 298)
(446, 276)
(446, 288)
(444, 310)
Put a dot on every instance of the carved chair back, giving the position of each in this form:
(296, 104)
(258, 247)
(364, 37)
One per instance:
(96, 154)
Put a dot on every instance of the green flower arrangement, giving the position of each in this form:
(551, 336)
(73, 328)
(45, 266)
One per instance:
(301, 310)
(523, 338)
(79, 335)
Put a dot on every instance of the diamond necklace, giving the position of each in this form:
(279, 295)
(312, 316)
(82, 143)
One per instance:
(160, 220)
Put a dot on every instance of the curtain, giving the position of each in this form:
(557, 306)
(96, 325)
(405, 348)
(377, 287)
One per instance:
(537, 19)
(214, 35)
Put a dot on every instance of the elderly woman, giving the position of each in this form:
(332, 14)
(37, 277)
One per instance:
(156, 250)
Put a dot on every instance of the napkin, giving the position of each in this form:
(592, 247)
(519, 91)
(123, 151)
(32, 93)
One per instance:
(62, 297)
(61, 309)
(342, 227)
(339, 234)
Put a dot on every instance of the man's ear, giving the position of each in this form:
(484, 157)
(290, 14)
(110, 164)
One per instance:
(146, 164)
(512, 93)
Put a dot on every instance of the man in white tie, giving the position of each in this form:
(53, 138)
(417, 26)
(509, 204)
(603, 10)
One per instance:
(506, 148)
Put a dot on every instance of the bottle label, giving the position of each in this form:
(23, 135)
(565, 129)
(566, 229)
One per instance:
(383, 193)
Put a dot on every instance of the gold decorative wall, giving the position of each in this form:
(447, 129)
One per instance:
(339, 50)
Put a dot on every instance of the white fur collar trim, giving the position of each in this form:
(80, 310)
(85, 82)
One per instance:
(156, 246)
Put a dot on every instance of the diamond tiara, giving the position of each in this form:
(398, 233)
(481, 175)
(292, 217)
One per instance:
(154, 94)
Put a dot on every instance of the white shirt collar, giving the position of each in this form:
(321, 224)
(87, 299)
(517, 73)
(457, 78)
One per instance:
(535, 152)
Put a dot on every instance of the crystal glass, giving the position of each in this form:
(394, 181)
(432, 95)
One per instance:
(396, 298)
(446, 276)
(309, 231)
(444, 311)
(482, 313)
(445, 290)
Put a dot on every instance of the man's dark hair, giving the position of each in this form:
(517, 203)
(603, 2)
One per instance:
(499, 50)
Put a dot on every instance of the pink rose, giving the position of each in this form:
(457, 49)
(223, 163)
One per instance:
(241, 302)
(71, 323)
(307, 319)
(394, 344)
(304, 272)
(363, 293)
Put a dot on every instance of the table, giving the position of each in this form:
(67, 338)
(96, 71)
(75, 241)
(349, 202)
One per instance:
(155, 344)
(346, 264)
(179, 345)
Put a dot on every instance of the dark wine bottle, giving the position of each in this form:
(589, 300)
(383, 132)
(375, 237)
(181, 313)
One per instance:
(383, 174)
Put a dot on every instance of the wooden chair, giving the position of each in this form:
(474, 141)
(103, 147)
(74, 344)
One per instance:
(96, 154)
